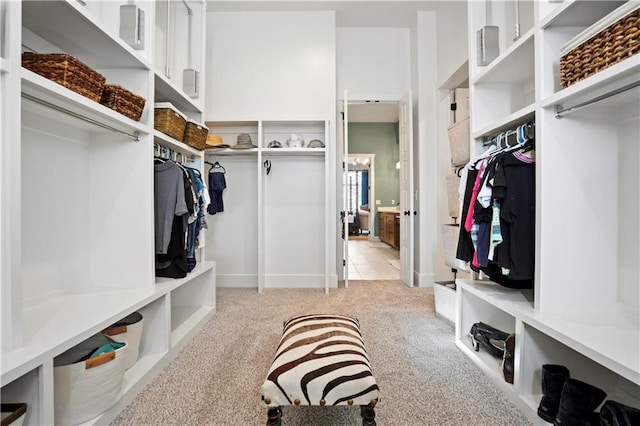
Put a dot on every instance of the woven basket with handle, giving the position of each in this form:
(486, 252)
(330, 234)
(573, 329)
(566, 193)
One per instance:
(195, 135)
(170, 122)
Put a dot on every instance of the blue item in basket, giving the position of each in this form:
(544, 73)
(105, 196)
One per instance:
(108, 347)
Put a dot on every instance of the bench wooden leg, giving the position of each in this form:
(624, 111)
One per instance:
(368, 415)
(274, 416)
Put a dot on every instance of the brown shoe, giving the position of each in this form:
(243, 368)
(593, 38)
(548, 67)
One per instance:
(507, 358)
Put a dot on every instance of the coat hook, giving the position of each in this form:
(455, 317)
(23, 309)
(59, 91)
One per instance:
(267, 165)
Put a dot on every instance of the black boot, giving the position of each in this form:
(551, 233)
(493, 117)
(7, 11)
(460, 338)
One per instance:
(577, 404)
(553, 378)
(616, 414)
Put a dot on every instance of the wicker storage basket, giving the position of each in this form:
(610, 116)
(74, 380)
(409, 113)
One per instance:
(129, 331)
(67, 71)
(13, 414)
(168, 120)
(459, 140)
(86, 389)
(123, 101)
(613, 39)
(195, 135)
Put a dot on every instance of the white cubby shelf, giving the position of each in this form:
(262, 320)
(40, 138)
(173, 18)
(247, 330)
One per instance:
(584, 310)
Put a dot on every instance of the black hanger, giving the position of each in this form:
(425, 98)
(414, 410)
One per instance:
(215, 165)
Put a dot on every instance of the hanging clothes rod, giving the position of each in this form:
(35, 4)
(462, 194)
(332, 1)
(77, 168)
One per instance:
(133, 135)
(561, 112)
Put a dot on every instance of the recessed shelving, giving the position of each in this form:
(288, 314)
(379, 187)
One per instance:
(169, 142)
(46, 90)
(293, 151)
(598, 84)
(167, 91)
(514, 65)
(508, 300)
(88, 41)
(579, 13)
(523, 115)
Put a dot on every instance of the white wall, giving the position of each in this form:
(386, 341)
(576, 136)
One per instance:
(451, 37)
(426, 145)
(270, 65)
(373, 63)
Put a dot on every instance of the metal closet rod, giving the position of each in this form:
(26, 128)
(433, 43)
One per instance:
(561, 112)
(133, 135)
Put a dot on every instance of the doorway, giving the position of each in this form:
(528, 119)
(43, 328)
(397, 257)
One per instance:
(373, 159)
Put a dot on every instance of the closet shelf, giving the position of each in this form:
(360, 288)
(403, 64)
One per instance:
(490, 365)
(294, 151)
(514, 302)
(516, 64)
(167, 91)
(169, 142)
(579, 13)
(60, 322)
(169, 284)
(42, 88)
(89, 41)
(605, 81)
(523, 115)
(609, 338)
(231, 152)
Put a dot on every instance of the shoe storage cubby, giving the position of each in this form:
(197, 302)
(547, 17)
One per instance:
(77, 203)
(538, 348)
(28, 388)
(474, 307)
(584, 310)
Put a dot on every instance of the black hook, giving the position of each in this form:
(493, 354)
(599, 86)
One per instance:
(267, 165)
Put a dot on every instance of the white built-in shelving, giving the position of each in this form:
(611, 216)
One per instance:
(584, 310)
(77, 203)
(271, 194)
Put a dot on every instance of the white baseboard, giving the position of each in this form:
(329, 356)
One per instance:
(294, 281)
(237, 281)
(425, 280)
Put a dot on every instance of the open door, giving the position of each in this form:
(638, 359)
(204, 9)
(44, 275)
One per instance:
(346, 216)
(407, 212)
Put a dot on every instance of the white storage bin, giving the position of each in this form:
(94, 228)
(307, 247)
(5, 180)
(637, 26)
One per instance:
(450, 245)
(86, 389)
(129, 331)
(453, 197)
(13, 414)
(460, 142)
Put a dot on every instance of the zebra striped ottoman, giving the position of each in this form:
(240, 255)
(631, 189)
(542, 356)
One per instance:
(320, 360)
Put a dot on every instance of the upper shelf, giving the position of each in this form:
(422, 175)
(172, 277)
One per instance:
(69, 27)
(579, 13)
(509, 122)
(166, 91)
(294, 151)
(514, 65)
(53, 93)
(603, 82)
(174, 145)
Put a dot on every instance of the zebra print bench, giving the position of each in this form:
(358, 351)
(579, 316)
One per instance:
(320, 360)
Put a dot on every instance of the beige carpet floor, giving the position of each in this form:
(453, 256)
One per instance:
(424, 379)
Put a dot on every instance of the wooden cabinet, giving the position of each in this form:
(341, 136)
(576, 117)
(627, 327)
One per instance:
(390, 228)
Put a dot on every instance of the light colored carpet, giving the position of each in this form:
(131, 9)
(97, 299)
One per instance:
(424, 379)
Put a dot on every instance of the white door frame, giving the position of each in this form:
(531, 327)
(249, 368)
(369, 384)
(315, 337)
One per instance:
(345, 201)
(407, 210)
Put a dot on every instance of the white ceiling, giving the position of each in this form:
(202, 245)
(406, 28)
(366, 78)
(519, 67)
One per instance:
(362, 13)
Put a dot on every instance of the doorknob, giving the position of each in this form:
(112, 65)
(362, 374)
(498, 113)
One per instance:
(407, 213)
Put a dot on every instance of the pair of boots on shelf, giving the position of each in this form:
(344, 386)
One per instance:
(571, 402)
(497, 343)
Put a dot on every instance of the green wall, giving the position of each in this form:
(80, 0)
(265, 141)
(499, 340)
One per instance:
(380, 139)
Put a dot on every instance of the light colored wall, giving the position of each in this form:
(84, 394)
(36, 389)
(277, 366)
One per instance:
(270, 65)
(380, 139)
(373, 63)
(425, 148)
(451, 37)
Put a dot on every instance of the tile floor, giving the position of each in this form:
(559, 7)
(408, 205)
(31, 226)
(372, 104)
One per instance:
(370, 260)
